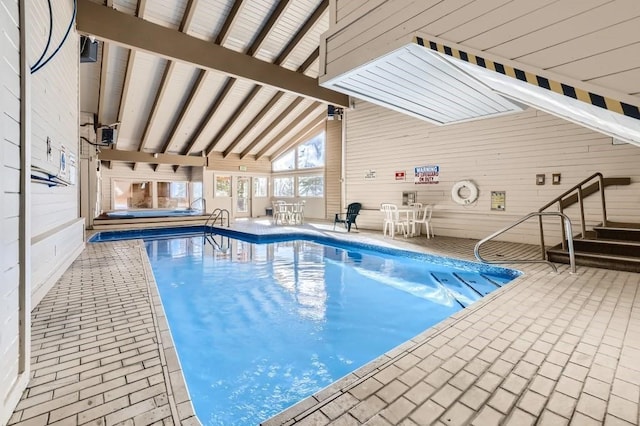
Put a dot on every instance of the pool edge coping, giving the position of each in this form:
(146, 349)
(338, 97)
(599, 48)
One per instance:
(343, 385)
(182, 409)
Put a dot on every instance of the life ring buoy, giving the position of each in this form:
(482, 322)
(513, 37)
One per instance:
(470, 186)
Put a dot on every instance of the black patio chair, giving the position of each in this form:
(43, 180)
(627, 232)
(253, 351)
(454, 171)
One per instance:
(348, 218)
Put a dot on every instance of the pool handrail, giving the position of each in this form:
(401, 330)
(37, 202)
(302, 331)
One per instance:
(216, 214)
(204, 204)
(567, 227)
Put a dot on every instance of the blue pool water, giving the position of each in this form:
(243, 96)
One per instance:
(259, 327)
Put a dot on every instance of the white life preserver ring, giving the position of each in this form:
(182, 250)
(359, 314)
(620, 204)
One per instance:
(471, 187)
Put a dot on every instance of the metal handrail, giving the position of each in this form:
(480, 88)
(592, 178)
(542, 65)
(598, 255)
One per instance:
(204, 204)
(561, 198)
(216, 214)
(567, 225)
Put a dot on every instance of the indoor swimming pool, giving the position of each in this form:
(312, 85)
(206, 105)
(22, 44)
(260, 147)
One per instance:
(261, 326)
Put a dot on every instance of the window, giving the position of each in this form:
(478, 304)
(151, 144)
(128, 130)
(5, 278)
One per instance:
(196, 190)
(283, 187)
(311, 153)
(260, 187)
(173, 195)
(223, 186)
(136, 195)
(286, 162)
(310, 186)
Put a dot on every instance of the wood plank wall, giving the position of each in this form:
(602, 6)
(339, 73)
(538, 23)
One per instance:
(500, 154)
(593, 42)
(333, 168)
(9, 203)
(56, 237)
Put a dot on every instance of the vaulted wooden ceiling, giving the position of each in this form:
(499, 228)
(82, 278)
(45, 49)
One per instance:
(193, 77)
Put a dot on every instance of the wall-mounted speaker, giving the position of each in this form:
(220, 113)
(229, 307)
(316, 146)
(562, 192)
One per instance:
(106, 135)
(88, 49)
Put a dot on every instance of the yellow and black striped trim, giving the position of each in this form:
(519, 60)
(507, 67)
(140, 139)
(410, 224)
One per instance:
(564, 89)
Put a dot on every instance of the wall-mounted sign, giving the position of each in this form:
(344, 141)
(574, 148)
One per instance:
(242, 168)
(400, 175)
(497, 200)
(427, 174)
(370, 174)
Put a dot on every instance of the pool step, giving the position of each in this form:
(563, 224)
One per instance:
(497, 280)
(461, 291)
(479, 283)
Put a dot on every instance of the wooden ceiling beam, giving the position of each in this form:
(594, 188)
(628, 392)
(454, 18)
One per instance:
(306, 27)
(168, 71)
(228, 23)
(253, 48)
(222, 95)
(310, 109)
(187, 18)
(279, 119)
(135, 33)
(234, 117)
(197, 87)
(302, 31)
(148, 157)
(124, 96)
(265, 110)
(268, 26)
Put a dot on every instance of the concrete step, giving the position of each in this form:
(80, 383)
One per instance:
(596, 260)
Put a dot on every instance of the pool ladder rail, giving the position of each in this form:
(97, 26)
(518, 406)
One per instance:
(218, 214)
(223, 246)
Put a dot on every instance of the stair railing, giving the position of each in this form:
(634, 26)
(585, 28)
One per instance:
(569, 197)
(567, 226)
(218, 214)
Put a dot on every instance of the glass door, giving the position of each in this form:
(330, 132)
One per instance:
(243, 197)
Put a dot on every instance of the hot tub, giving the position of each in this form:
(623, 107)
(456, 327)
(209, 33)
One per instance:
(125, 214)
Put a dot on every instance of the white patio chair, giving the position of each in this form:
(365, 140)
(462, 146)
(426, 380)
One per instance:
(424, 217)
(297, 212)
(392, 220)
(280, 212)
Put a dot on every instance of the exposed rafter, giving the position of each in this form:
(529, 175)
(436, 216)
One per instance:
(280, 136)
(252, 50)
(168, 71)
(226, 26)
(304, 29)
(103, 82)
(307, 132)
(197, 87)
(222, 95)
(187, 18)
(279, 119)
(129, 31)
(124, 97)
(236, 114)
(265, 110)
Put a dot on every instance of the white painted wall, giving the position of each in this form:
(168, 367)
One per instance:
(500, 154)
(57, 233)
(10, 389)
